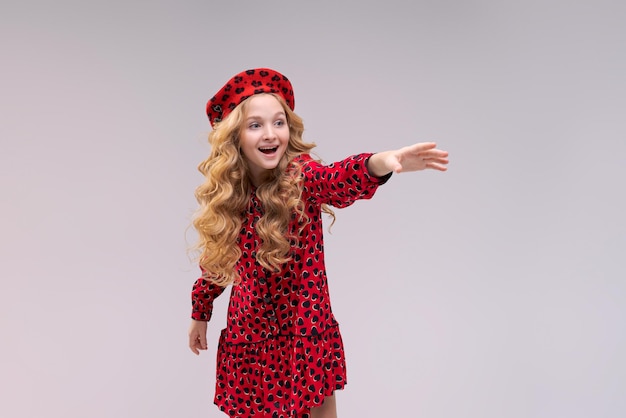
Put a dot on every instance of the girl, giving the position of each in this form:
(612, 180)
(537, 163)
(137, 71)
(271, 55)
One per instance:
(260, 230)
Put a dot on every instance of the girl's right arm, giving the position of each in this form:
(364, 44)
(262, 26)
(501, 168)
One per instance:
(202, 296)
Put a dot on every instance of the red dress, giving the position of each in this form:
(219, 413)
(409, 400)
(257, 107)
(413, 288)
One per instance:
(281, 352)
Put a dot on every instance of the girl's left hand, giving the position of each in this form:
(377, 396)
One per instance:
(415, 157)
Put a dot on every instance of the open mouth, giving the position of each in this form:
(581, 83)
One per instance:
(268, 150)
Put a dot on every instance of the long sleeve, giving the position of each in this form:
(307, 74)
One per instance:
(203, 294)
(341, 183)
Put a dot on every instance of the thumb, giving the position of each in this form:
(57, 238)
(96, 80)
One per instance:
(395, 166)
(392, 162)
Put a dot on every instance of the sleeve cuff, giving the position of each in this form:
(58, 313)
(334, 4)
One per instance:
(201, 316)
(380, 180)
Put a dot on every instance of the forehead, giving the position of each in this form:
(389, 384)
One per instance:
(261, 104)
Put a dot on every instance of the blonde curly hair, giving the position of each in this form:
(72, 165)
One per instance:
(225, 196)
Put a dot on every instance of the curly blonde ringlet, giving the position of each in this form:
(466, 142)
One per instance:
(224, 197)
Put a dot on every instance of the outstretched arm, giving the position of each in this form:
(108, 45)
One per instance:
(415, 157)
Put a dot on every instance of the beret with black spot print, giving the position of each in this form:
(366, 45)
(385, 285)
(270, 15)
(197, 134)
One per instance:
(244, 85)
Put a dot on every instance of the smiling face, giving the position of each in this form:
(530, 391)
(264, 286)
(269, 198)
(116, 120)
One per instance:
(264, 136)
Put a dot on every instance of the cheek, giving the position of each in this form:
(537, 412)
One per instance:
(246, 153)
(245, 146)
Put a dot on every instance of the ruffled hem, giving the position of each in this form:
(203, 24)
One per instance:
(280, 377)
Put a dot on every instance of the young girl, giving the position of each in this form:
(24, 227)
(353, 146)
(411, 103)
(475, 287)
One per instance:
(260, 231)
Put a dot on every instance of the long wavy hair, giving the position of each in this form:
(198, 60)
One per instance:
(225, 195)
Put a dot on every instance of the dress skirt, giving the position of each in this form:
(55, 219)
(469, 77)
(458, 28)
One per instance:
(282, 376)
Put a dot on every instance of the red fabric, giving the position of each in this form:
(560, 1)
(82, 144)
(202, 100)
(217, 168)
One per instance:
(244, 85)
(281, 352)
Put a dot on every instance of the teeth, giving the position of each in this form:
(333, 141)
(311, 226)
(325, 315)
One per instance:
(268, 150)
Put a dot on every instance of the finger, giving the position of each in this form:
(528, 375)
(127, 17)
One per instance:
(194, 343)
(202, 341)
(423, 146)
(434, 153)
(436, 166)
(193, 347)
(436, 160)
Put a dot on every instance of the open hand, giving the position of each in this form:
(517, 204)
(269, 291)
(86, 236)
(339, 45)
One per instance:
(414, 157)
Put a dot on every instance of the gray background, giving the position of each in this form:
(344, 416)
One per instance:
(496, 289)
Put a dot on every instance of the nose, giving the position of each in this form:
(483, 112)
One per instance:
(269, 132)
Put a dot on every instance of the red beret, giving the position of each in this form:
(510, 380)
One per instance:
(244, 85)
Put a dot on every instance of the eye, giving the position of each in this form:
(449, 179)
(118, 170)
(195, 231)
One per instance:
(279, 122)
(254, 125)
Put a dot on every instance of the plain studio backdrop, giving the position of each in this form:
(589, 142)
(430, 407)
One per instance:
(496, 289)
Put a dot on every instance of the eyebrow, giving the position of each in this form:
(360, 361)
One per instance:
(256, 117)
